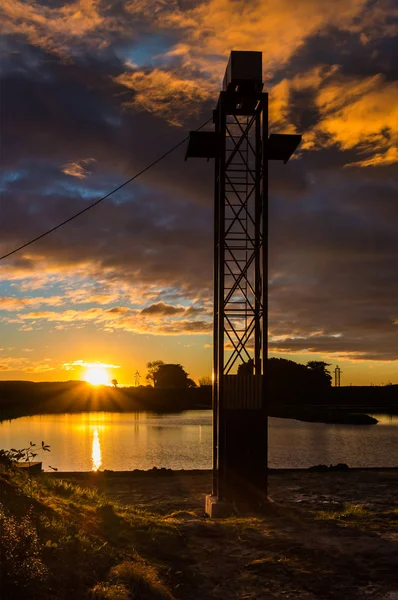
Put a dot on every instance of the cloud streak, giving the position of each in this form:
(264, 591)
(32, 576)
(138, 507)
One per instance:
(70, 366)
(10, 363)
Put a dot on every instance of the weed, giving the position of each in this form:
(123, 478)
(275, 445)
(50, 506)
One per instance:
(67, 489)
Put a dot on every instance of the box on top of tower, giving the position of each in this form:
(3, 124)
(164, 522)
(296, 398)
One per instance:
(244, 70)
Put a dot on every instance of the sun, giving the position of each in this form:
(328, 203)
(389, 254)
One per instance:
(97, 376)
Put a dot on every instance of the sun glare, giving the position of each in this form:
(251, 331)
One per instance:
(97, 376)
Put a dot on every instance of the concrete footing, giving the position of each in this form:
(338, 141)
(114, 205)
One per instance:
(218, 509)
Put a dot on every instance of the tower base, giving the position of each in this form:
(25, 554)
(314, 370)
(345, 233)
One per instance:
(221, 509)
(218, 509)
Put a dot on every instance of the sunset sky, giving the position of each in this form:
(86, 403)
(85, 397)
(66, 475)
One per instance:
(93, 91)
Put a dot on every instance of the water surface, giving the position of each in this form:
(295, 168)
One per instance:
(125, 441)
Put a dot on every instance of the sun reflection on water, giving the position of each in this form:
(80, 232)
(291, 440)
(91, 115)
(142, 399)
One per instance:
(96, 455)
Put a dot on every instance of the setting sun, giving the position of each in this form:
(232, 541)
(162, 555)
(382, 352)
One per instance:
(97, 376)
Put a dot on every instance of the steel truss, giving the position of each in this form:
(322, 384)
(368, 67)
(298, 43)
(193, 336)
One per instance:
(240, 298)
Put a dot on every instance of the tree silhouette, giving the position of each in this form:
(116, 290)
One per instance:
(168, 375)
(294, 383)
(320, 371)
(152, 371)
(114, 382)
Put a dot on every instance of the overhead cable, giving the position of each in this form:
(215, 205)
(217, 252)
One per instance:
(152, 164)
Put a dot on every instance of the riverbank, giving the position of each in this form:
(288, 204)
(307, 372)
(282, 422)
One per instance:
(326, 536)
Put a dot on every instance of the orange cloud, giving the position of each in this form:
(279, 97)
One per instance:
(92, 314)
(85, 296)
(353, 113)
(54, 29)
(128, 319)
(166, 93)
(12, 303)
(361, 113)
(24, 364)
(77, 168)
(211, 29)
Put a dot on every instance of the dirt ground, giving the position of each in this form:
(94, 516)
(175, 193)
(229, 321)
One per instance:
(325, 536)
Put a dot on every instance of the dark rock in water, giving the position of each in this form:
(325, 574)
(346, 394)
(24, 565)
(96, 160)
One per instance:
(361, 419)
(322, 468)
(335, 417)
(354, 419)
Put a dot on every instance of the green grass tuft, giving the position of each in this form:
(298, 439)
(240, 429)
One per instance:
(349, 512)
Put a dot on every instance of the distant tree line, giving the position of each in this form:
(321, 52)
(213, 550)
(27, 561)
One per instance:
(283, 376)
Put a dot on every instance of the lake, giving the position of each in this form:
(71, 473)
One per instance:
(126, 441)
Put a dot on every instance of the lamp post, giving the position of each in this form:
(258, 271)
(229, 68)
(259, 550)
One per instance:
(242, 148)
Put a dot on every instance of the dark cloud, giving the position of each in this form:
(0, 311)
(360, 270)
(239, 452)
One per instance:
(334, 271)
(356, 55)
(78, 111)
(79, 117)
(160, 308)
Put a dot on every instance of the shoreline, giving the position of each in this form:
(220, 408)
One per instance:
(162, 472)
(325, 416)
(164, 491)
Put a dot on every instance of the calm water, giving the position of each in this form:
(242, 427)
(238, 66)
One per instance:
(92, 441)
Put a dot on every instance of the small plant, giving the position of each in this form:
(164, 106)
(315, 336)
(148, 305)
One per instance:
(8, 457)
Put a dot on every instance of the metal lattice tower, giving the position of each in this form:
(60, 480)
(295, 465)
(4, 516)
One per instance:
(240, 268)
(241, 147)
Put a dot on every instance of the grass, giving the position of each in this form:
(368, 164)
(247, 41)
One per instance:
(359, 516)
(64, 540)
(350, 511)
(75, 540)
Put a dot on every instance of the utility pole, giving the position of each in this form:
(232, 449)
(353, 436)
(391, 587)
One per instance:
(241, 147)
